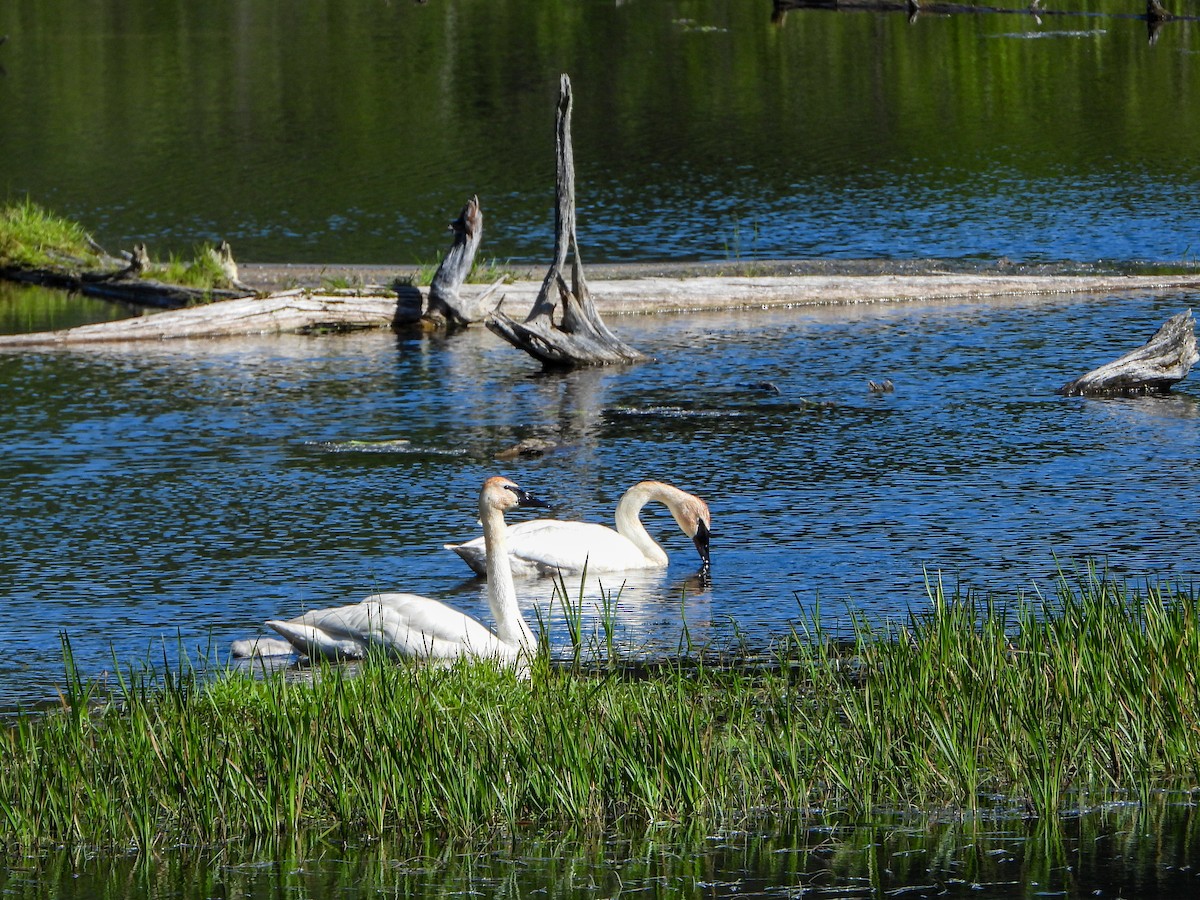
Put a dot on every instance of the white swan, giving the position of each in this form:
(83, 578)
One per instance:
(553, 546)
(414, 626)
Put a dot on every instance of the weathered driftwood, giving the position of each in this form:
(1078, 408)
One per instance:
(580, 337)
(1162, 361)
(319, 310)
(296, 311)
(447, 306)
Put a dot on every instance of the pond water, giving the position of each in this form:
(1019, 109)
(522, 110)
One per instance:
(1118, 851)
(182, 493)
(704, 129)
(167, 499)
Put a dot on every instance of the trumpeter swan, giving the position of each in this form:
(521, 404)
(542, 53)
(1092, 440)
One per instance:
(415, 626)
(552, 546)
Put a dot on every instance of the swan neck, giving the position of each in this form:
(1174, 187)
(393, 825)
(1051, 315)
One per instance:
(511, 627)
(629, 523)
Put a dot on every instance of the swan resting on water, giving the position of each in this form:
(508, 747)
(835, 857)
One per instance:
(554, 546)
(410, 625)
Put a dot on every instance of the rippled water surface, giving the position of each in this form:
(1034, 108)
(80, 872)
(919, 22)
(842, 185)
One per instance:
(179, 494)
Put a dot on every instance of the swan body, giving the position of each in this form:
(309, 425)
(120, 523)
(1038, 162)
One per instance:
(552, 546)
(410, 625)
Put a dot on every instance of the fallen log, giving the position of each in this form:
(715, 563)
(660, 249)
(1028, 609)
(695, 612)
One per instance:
(580, 337)
(297, 312)
(313, 309)
(1154, 367)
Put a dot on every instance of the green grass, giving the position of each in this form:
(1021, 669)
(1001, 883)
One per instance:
(201, 271)
(32, 237)
(1031, 706)
(482, 272)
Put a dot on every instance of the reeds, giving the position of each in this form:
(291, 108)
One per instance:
(1032, 706)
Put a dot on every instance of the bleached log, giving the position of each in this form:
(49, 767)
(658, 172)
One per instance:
(297, 311)
(380, 307)
(1162, 361)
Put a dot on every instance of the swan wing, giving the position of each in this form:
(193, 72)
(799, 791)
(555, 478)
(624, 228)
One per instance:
(399, 624)
(338, 632)
(413, 625)
(549, 546)
(473, 553)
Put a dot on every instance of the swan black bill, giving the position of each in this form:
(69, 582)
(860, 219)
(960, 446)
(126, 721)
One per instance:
(524, 498)
(701, 540)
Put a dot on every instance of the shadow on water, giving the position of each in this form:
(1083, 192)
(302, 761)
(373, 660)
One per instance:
(1113, 852)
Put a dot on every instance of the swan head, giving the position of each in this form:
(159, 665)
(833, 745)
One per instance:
(502, 494)
(690, 512)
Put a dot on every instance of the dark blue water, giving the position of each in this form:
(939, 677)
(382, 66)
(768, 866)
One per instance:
(182, 493)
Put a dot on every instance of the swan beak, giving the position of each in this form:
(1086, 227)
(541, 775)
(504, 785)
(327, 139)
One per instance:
(524, 498)
(701, 541)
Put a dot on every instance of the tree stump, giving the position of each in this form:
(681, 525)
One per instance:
(1162, 361)
(579, 337)
(446, 307)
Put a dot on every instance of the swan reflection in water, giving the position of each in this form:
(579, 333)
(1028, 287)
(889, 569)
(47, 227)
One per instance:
(642, 613)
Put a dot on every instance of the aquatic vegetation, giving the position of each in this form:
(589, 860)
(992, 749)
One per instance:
(1035, 705)
(33, 237)
(202, 271)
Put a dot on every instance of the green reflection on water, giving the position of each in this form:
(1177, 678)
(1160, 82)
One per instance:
(25, 309)
(1120, 850)
(352, 131)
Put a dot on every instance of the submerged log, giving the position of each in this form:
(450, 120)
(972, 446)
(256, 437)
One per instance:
(1162, 361)
(579, 337)
(447, 307)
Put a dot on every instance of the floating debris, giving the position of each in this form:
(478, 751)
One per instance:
(881, 387)
(529, 448)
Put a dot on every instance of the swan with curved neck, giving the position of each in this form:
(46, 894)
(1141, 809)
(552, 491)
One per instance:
(553, 546)
(414, 626)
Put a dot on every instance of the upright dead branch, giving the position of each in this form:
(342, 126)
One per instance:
(446, 307)
(580, 337)
(1162, 361)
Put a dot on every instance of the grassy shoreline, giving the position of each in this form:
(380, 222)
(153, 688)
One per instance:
(1033, 707)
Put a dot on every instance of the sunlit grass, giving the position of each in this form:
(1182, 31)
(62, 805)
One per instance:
(33, 237)
(1033, 705)
(201, 271)
(483, 271)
